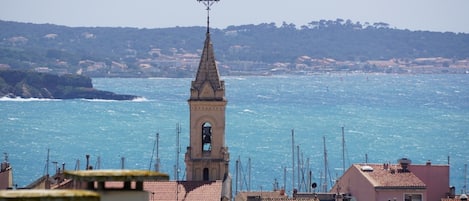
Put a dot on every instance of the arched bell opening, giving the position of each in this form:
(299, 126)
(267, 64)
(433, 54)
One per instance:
(206, 137)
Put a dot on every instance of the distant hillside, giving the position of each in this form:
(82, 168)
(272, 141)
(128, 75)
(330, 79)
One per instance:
(174, 52)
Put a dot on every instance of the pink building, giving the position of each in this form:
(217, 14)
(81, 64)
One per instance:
(395, 182)
(435, 177)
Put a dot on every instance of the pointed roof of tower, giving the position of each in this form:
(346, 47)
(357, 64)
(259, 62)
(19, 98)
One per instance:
(208, 70)
(207, 84)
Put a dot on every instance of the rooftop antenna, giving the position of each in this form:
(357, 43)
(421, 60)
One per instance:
(208, 4)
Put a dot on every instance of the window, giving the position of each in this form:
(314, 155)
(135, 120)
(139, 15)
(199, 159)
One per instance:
(206, 137)
(412, 197)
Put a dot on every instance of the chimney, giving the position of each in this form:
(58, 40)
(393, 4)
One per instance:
(404, 162)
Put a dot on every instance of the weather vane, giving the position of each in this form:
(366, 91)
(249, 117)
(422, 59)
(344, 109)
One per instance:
(208, 4)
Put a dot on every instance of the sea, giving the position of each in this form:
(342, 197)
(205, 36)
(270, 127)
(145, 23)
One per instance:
(384, 117)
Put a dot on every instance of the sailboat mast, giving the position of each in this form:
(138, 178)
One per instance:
(47, 163)
(237, 176)
(343, 151)
(293, 158)
(153, 153)
(178, 132)
(325, 164)
(308, 185)
(284, 178)
(157, 162)
(298, 165)
(98, 163)
(465, 178)
(249, 174)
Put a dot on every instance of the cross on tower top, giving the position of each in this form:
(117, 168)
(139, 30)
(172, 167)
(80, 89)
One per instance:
(208, 4)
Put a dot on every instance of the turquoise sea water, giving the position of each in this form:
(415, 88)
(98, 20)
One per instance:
(386, 117)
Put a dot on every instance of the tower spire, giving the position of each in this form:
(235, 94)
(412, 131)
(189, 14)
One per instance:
(208, 4)
(207, 84)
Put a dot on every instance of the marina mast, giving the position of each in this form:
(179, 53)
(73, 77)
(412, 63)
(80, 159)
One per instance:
(343, 151)
(325, 165)
(178, 151)
(293, 158)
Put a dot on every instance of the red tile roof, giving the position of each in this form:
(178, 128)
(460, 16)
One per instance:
(380, 177)
(277, 195)
(184, 190)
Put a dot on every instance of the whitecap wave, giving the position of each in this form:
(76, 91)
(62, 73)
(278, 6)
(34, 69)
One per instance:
(236, 78)
(140, 99)
(248, 111)
(18, 99)
(264, 97)
(97, 100)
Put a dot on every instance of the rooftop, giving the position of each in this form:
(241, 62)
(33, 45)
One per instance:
(390, 177)
(179, 190)
(47, 193)
(184, 190)
(116, 175)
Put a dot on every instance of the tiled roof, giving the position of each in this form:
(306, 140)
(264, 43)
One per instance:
(184, 190)
(243, 196)
(380, 177)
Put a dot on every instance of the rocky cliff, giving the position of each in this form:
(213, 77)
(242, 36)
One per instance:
(27, 84)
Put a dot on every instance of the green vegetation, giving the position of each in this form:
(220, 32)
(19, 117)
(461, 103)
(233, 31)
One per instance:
(157, 52)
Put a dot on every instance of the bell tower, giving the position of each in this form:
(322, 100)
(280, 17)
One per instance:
(207, 157)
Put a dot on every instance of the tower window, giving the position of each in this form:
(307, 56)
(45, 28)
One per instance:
(206, 137)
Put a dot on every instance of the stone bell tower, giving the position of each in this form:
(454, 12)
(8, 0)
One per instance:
(207, 157)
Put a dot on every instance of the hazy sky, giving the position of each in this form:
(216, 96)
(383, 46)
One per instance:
(432, 15)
